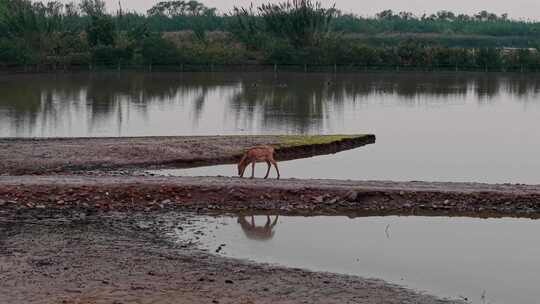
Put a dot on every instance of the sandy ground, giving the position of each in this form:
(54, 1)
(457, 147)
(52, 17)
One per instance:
(110, 259)
(68, 155)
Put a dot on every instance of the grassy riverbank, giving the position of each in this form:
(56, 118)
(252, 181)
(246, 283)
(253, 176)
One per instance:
(39, 37)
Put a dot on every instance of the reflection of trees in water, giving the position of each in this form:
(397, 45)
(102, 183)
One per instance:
(300, 103)
(487, 86)
(26, 100)
(294, 102)
(303, 102)
(39, 101)
(19, 105)
(409, 86)
(143, 90)
(525, 86)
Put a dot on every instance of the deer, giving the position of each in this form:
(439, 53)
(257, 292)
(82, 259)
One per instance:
(254, 232)
(258, 154)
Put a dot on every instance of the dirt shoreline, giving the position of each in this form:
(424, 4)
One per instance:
(67, 155)
(77, 259)
(287, 197)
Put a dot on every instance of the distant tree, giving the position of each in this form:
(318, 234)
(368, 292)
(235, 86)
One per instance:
(194, 13)
(16, 52)
(489, 57)
(412, 52)
(71, 10)
(247, 26)
(406, 16)
(101, 31)
(93, 8)
(302, 22)
(21, 17)
(180, 8)
(385, 15)
(446, 16)
(156, 50)
(486, 16)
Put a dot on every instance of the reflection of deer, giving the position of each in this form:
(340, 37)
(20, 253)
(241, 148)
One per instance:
(258, 154)
(261, 233)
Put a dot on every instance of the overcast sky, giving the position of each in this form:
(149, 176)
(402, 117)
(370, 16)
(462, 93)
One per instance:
(517, 9)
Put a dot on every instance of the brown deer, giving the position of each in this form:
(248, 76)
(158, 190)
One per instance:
(258, 154)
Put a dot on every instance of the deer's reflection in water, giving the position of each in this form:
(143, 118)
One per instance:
(259, 233)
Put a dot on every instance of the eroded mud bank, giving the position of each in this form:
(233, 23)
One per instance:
(69, 155)
(292, 197)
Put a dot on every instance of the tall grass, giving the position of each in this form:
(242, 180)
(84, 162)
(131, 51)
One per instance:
(291, 32)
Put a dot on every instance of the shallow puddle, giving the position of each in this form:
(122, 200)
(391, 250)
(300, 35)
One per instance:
(482, 260)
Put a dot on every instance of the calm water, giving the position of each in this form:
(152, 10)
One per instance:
(429, 126)
(486, 261)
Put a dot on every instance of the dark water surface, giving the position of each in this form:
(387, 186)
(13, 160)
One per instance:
(429, 126)
(484, 260)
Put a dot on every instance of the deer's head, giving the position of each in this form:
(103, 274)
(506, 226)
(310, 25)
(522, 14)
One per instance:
(241, 168)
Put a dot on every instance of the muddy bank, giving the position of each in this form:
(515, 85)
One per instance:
(66, 155)
(288, 197)
(115, 259)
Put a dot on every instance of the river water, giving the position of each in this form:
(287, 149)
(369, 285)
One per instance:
(429, 126)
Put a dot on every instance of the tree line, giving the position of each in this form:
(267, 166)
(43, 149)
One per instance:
(291, 32)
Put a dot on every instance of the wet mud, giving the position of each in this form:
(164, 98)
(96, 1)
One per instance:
(123, 258)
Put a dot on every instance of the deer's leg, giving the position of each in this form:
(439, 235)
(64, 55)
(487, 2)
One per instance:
(268, 171)
(253, 169)
(277, 169)
(275, 221)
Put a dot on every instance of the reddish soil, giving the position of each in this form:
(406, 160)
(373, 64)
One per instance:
(305, 197)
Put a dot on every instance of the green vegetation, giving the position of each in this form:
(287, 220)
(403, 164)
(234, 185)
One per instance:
(297, 141)
(288, 141)
(296, 32)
